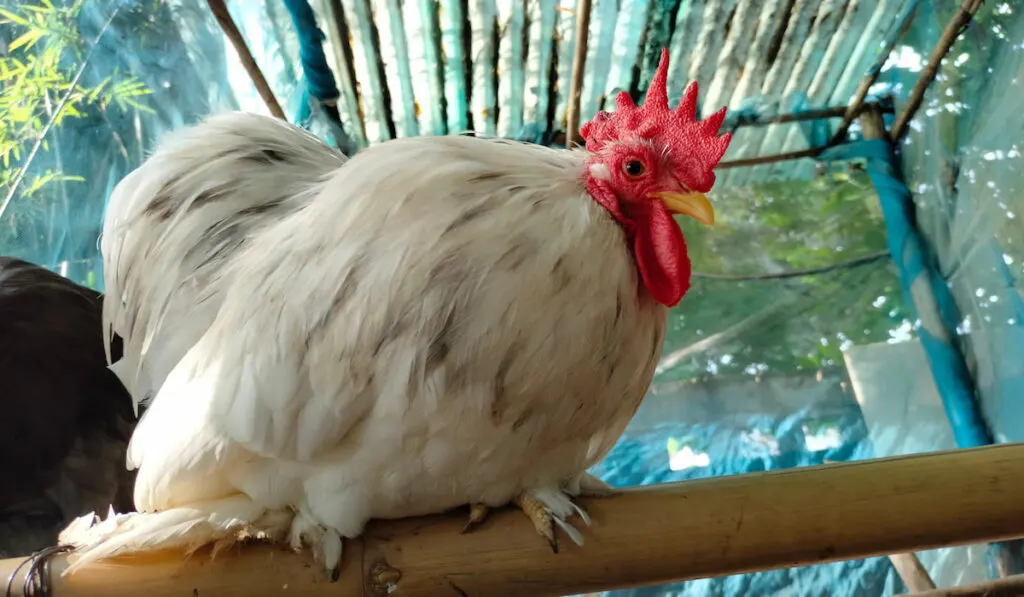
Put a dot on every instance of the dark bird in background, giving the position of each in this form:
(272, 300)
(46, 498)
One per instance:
(65, 418)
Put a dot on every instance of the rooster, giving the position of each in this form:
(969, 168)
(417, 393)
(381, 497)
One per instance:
(66, 418)
(433, 323)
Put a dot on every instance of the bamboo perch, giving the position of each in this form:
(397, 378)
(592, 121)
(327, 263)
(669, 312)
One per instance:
(579, 62)
(655, 535)
(931, 69)
(227, 25)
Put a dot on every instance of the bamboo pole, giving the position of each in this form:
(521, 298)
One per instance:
(963, 16)
(810, 152)
(1011, 586)
(859, 97)
(579, 62)
(668, 533)
(230, 29)
(832, 112)
(771, 159)
(912, 571)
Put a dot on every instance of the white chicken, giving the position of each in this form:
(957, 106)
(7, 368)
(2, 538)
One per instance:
(437, 322)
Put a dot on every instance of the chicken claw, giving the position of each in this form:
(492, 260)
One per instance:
(546, 508)
(477, 513)
(539, 516)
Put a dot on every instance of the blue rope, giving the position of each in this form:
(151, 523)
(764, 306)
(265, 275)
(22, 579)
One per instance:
(926, 290)
(319, 77)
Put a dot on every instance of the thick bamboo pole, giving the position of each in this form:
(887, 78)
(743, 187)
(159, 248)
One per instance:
(704, 528)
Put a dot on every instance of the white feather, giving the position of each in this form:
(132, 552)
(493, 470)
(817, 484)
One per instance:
(165, 242)
(441, 321)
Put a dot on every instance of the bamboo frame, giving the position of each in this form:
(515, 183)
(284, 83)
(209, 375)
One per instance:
(1011, 586)
(697, 529)
(771, 159)
(810, 152)
(230, 29)
(963, 16)
(856, 106)
(579, 62)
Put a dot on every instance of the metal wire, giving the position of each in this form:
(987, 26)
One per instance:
(37, 576)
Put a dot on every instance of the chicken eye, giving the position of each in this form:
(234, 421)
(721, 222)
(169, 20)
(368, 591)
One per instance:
(634, 168)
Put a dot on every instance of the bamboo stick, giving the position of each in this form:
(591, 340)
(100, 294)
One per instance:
(931, 69)
(796, 117)
(697, 529)
(913, 573)
(230, 29)
(579, 63)
(856, 106)
(771, 159)
(832, 112)
(1011, 586)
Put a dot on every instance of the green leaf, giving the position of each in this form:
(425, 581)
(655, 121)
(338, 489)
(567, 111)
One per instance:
(27, 39)
(13, 18)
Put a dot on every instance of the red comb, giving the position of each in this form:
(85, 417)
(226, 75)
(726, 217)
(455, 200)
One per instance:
(694, 145)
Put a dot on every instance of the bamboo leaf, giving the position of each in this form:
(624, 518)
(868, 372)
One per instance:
(27, 39)
(13, 18)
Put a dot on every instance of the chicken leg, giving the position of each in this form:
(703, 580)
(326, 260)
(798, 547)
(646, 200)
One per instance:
(547, 508)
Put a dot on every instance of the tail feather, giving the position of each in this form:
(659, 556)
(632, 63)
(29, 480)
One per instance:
(174, 223)
(219, 522)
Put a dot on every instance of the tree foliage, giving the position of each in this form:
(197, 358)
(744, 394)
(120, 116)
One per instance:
(40, 91)
(785, 324)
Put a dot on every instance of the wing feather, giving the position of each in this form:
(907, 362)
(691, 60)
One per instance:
(387, 290)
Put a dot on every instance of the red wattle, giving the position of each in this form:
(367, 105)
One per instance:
(661, 255)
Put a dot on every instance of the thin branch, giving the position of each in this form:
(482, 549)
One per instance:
(770, 159)
(798, 273)
(856, 106)
(833, 112)
(579, 61)
(956, 25)
(230, 29)
(823, 113)
(56, 114)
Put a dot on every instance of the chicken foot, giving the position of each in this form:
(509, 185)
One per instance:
(546, 508)
(477, 513)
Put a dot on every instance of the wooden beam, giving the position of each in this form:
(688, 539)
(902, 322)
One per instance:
(668, 533)
(230, 29)
(579, 63)
(963, 16)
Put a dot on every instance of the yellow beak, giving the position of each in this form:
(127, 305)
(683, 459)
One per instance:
(695, 205)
